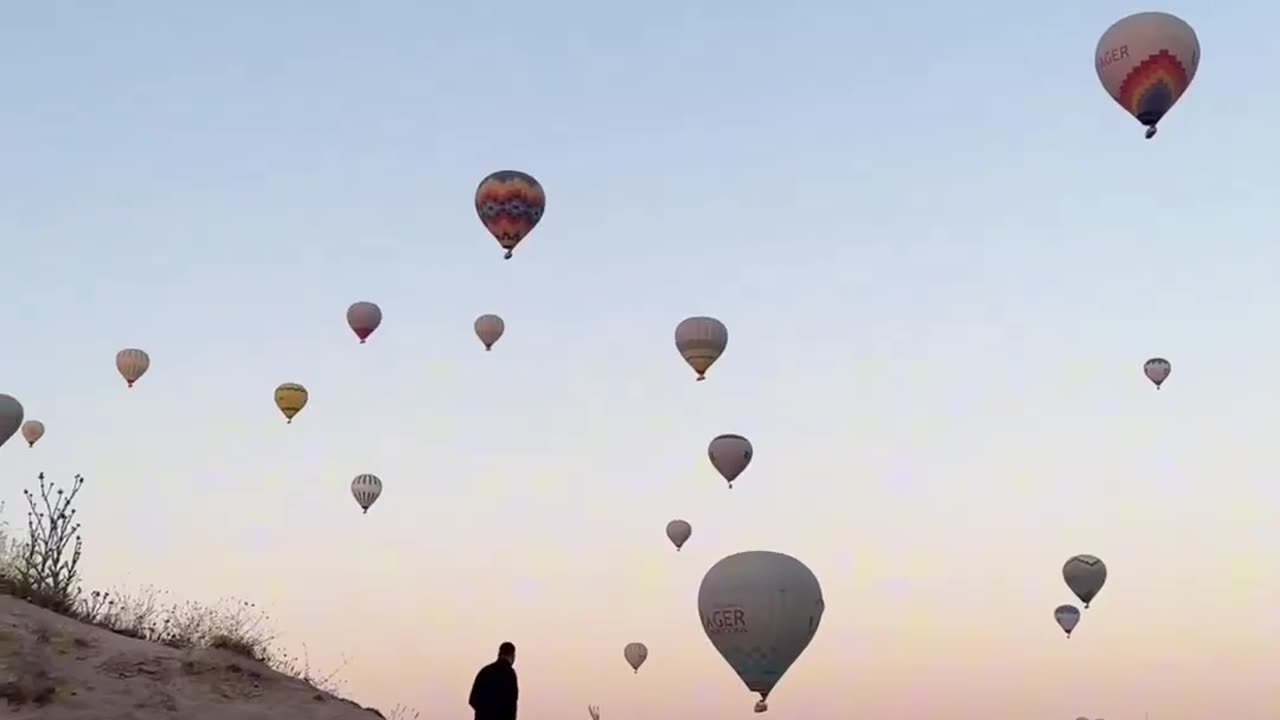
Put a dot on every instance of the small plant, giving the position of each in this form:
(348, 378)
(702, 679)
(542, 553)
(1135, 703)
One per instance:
(42, 572)
(402, 712)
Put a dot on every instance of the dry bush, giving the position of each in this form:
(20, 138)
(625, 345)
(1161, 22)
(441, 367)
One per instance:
(39, 569)
(402, 712)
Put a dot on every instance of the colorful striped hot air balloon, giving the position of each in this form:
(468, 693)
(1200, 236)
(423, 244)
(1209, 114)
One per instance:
(510, 203)
(1146, 62)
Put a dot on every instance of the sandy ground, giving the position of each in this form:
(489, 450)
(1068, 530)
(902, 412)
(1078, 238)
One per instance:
(56, 668)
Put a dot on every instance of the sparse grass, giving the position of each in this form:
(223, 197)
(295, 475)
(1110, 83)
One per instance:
(401, 712)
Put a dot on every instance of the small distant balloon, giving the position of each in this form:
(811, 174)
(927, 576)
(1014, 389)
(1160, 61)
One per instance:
(11, 413)
(510, 204)
(701, 341)
(364, 317)
(1085, 575)
(1157, 370)
(291, 398)
(1145, 62)
(1068, 616)
(678, 532)
(730, 455)
(489, 329)
(32, 431)
(366, 489)
(635, 653)
(132, 364)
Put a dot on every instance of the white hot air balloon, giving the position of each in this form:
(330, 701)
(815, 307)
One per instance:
(760, 609)
(636, 654)
(730, 455)
(701, 341)
(678, 532)
(366, 489)
(1157, 370)
(11, 413)
(489, 329)
(1085, 575)
(132, 364)
(32, 431)
(1068, 616)
(1146, 61)
(364, 317)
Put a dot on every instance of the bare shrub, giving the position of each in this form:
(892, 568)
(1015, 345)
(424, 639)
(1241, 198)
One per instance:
(40, 569)
(402, 712)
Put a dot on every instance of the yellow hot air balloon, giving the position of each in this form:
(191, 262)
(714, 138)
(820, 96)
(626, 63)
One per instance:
(290, 398)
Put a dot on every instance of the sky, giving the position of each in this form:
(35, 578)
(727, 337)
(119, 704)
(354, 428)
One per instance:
(942, 253)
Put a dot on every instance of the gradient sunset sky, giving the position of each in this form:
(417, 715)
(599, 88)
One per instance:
(942, 253)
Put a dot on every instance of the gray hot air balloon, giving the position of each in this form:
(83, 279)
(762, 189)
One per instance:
(1157, 370)
(10, 417)
(32, 431)
(678, 532)
(636, 654)
(364, 317)
(701, 341)
(1085, 575)
(366, 489)
(760, 609)
(489, 329)
(1068, 616)
(730, 454)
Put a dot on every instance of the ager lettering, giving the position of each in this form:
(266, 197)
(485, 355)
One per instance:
(1113, 55)
(728, 620)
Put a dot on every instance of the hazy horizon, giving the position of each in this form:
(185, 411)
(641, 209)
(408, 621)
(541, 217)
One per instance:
(941, 251)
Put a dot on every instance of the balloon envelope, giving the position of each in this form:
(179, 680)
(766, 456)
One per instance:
(510, 203)
(635, 653)
(364, 318)
(1145, 62)
(291, 398)
(11, 413)
(1157, 370)
(701, 341)
(678, 532)
(132, 364)
(489, 329)
(1085, 575)
(730, 454)
(366, 489)
(32, 430)
(1067, 616)
(760, 609)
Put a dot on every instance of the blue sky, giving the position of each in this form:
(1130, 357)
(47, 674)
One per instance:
(941, 250)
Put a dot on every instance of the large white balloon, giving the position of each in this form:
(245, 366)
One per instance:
(1085, 575)
(730, 455)
(366, 489)
(678, 532)
(1068, 616)
(1157, 370)
(760, 609)
(1146, 61)
(636, 654)
(489, 328)
(701, 341)
(11, 413)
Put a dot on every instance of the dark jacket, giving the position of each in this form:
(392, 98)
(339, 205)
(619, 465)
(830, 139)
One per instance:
(494, 693)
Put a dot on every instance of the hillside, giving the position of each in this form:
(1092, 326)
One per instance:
(55, 667)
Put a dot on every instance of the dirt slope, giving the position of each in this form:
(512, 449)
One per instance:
(56, 668)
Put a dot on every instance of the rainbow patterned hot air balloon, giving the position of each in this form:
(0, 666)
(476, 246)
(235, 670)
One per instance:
(510, 204)
(1146, 62)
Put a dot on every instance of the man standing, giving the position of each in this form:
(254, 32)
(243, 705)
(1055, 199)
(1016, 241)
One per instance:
(494, 693)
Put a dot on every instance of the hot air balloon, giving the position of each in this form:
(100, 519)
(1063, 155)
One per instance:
(730, 454)
(678, 532)
(489, 329)
(32, 430)
(1068, 616)
(291, 398)
(1157, 370)
(760, 609)
(1085, 575)
(636, 654)
(132, 364)
(364, 318)
(366, 488)
(10, 417)
(510, 203)
(701, 341)
(1145, 62)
